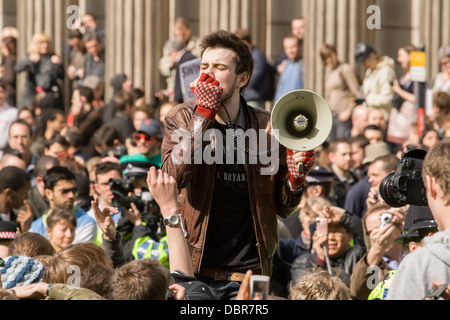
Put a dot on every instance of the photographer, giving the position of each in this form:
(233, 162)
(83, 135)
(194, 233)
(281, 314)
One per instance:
(104, 172)
(383, 253)
(141, 225)
(418, 270)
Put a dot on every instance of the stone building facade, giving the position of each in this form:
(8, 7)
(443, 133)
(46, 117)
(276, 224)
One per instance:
(137, 29)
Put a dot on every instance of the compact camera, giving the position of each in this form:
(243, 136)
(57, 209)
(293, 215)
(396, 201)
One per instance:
(386, 218)
(405, 185)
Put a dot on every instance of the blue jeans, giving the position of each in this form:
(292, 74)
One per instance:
(224, 290)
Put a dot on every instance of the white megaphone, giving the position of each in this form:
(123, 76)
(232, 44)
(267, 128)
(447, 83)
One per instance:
(302, 121)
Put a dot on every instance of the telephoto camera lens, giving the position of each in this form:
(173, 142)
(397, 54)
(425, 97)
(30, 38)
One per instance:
(405, 185)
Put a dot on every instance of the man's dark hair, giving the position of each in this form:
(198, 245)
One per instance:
(75, 34)
(326, 187)
(227, 40)
(373, 127)
(13, 178)
(22, 122)
(73, 137)
(105, 167)
(86, 92)
(56, 174)
(40, 168)
(390, 162)
(106, 135)
(57, 139)
(360, 140)
(49, 114)
(336, 143)
(13, 152)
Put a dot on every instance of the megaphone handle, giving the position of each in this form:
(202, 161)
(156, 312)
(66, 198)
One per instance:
(301, 170)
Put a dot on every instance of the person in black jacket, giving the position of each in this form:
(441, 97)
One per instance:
(122, 120)
(44, 68)
(179, 55)
(14, 186)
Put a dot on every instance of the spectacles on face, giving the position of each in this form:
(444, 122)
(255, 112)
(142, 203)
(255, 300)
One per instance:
(67, 191)
(138, 137)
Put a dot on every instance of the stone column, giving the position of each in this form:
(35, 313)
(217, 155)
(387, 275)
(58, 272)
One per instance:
(432, 21)
(338, 22)
(233, 14)
(8, 14)
(136, 31)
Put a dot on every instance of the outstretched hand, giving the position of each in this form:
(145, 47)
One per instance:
(105, 220)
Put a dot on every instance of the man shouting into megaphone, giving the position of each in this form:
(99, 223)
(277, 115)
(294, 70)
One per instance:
(228, 208)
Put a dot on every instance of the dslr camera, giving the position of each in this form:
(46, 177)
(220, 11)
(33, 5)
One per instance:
(145, 203)
(405, 185)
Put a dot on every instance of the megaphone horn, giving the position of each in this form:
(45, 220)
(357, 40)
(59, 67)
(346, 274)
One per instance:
(302, 120)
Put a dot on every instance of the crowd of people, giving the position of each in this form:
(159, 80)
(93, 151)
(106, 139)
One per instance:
(96, 204)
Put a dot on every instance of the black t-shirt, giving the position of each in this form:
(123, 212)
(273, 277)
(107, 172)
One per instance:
(230, 239)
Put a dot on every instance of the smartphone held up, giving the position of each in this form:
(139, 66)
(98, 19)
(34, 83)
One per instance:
(259, 287)
(322, 227)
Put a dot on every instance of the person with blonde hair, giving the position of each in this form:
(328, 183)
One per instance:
(318, 284)
(10, 32)
(44, 69)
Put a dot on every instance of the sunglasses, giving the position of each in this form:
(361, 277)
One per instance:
(138, 137)
(66, 191)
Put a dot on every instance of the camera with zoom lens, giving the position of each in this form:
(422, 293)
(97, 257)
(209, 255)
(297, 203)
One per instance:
(145, 203)
(405, 185)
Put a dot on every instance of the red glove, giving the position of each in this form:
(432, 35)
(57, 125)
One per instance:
(296, 177)
(208, 94)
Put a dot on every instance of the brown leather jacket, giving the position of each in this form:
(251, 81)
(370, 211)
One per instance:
(270, 195)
